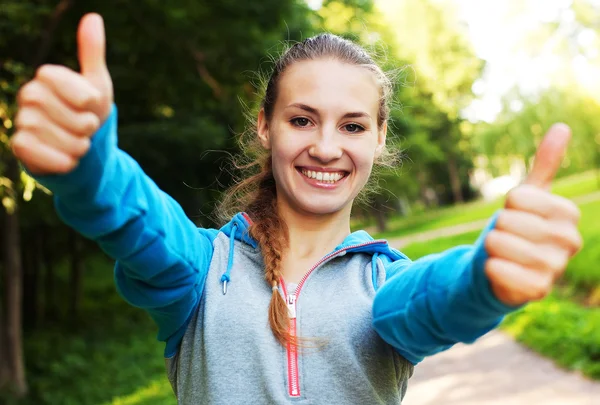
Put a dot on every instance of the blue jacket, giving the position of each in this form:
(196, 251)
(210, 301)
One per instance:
(376, 312)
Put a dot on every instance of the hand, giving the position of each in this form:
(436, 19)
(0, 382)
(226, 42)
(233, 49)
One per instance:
(536, 233)
(59, 110)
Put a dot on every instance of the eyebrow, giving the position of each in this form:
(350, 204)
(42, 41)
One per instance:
(312, 110)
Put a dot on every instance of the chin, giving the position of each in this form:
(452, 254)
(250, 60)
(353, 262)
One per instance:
(322, 206)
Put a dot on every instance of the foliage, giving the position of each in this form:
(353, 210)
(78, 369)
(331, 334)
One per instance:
(111, 353)
(518, 133)
(562, 330)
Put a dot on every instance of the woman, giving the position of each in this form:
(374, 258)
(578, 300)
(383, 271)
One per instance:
(341, 318)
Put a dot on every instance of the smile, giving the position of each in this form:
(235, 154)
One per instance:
(324, 177)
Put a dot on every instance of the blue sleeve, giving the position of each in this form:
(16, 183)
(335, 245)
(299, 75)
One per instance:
(427, 306)
(162, 257)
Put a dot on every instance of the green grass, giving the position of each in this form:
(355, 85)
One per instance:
(570, 187)
(110, 357)
(562, 330)
(577, 184)
(561, 326)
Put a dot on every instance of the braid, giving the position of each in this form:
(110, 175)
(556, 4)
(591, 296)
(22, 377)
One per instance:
(270, 231)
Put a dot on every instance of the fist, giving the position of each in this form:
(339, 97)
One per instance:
(536, 234)
(59, 110)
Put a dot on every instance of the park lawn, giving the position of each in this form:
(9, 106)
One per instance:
(572, 186)
(562, 326)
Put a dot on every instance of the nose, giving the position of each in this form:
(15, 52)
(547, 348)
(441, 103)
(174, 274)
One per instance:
(326, 147)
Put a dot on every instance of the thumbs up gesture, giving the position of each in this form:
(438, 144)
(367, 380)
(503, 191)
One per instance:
(59, 110)
(536, 233)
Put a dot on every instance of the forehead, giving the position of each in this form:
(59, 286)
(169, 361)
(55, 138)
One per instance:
(329, 84)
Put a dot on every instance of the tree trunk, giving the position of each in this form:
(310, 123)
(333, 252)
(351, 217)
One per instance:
(455, 180)
(4, 371)
(380, 219)
(34, 282)
(76, 284)
(26, 265)
(49, 294)
(15, 382)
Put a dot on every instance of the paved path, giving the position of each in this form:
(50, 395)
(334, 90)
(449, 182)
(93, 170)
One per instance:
(496, 371)
(399, 243)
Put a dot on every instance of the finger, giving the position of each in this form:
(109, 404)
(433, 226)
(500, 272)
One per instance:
(549, 156)
(39, 158)
(37, 94)
(514, 284)
(91, 50)
(539, 230)
(541, 258)
(35, 122)
(91, 46)
(537, 201)
(69, 86)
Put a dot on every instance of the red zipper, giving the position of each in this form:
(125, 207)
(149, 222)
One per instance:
(291, 300)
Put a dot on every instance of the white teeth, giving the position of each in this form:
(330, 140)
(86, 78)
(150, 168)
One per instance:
(325, 177)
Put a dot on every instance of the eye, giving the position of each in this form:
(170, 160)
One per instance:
(353, 128)
(300, 122)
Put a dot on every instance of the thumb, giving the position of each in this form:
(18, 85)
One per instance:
(91, 49)
(549, 156)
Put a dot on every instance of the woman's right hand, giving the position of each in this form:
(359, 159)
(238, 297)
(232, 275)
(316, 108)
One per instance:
(60, 109)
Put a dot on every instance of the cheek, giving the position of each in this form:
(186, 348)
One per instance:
(363, 156)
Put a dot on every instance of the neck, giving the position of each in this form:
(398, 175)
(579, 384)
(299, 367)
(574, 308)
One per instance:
(314, 235)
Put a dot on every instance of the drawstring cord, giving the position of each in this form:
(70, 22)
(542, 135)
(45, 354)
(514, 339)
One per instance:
(374, 270)
(225, 278)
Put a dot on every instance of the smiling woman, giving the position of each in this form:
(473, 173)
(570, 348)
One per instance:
(349, 316)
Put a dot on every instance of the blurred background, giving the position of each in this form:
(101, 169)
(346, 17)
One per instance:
(478, 84)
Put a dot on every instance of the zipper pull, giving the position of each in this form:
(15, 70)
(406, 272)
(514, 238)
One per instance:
(291, 304)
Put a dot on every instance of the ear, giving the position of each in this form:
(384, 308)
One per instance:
(262, 129)
(381, 136)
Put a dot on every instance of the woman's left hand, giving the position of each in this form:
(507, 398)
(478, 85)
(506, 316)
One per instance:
(536, 234)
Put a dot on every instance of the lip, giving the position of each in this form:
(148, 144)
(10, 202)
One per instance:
(318, 184)
(322, 169)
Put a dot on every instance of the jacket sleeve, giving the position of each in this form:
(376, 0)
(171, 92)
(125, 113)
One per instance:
(427, 306)
(162, 258)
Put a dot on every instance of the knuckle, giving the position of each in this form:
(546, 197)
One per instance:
(88, 123)
(29, 93)
(504, 218)
(46, 71)
(491, 240)
(542, 288)
(26, 118)
(558, 265)
(519, 195)
(16, 144)
(512, 197)
(567, 208)
(575, 211)
(82, 145)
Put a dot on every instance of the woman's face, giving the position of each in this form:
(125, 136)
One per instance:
(323, 135)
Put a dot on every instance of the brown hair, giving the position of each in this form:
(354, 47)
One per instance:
(257, 194)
